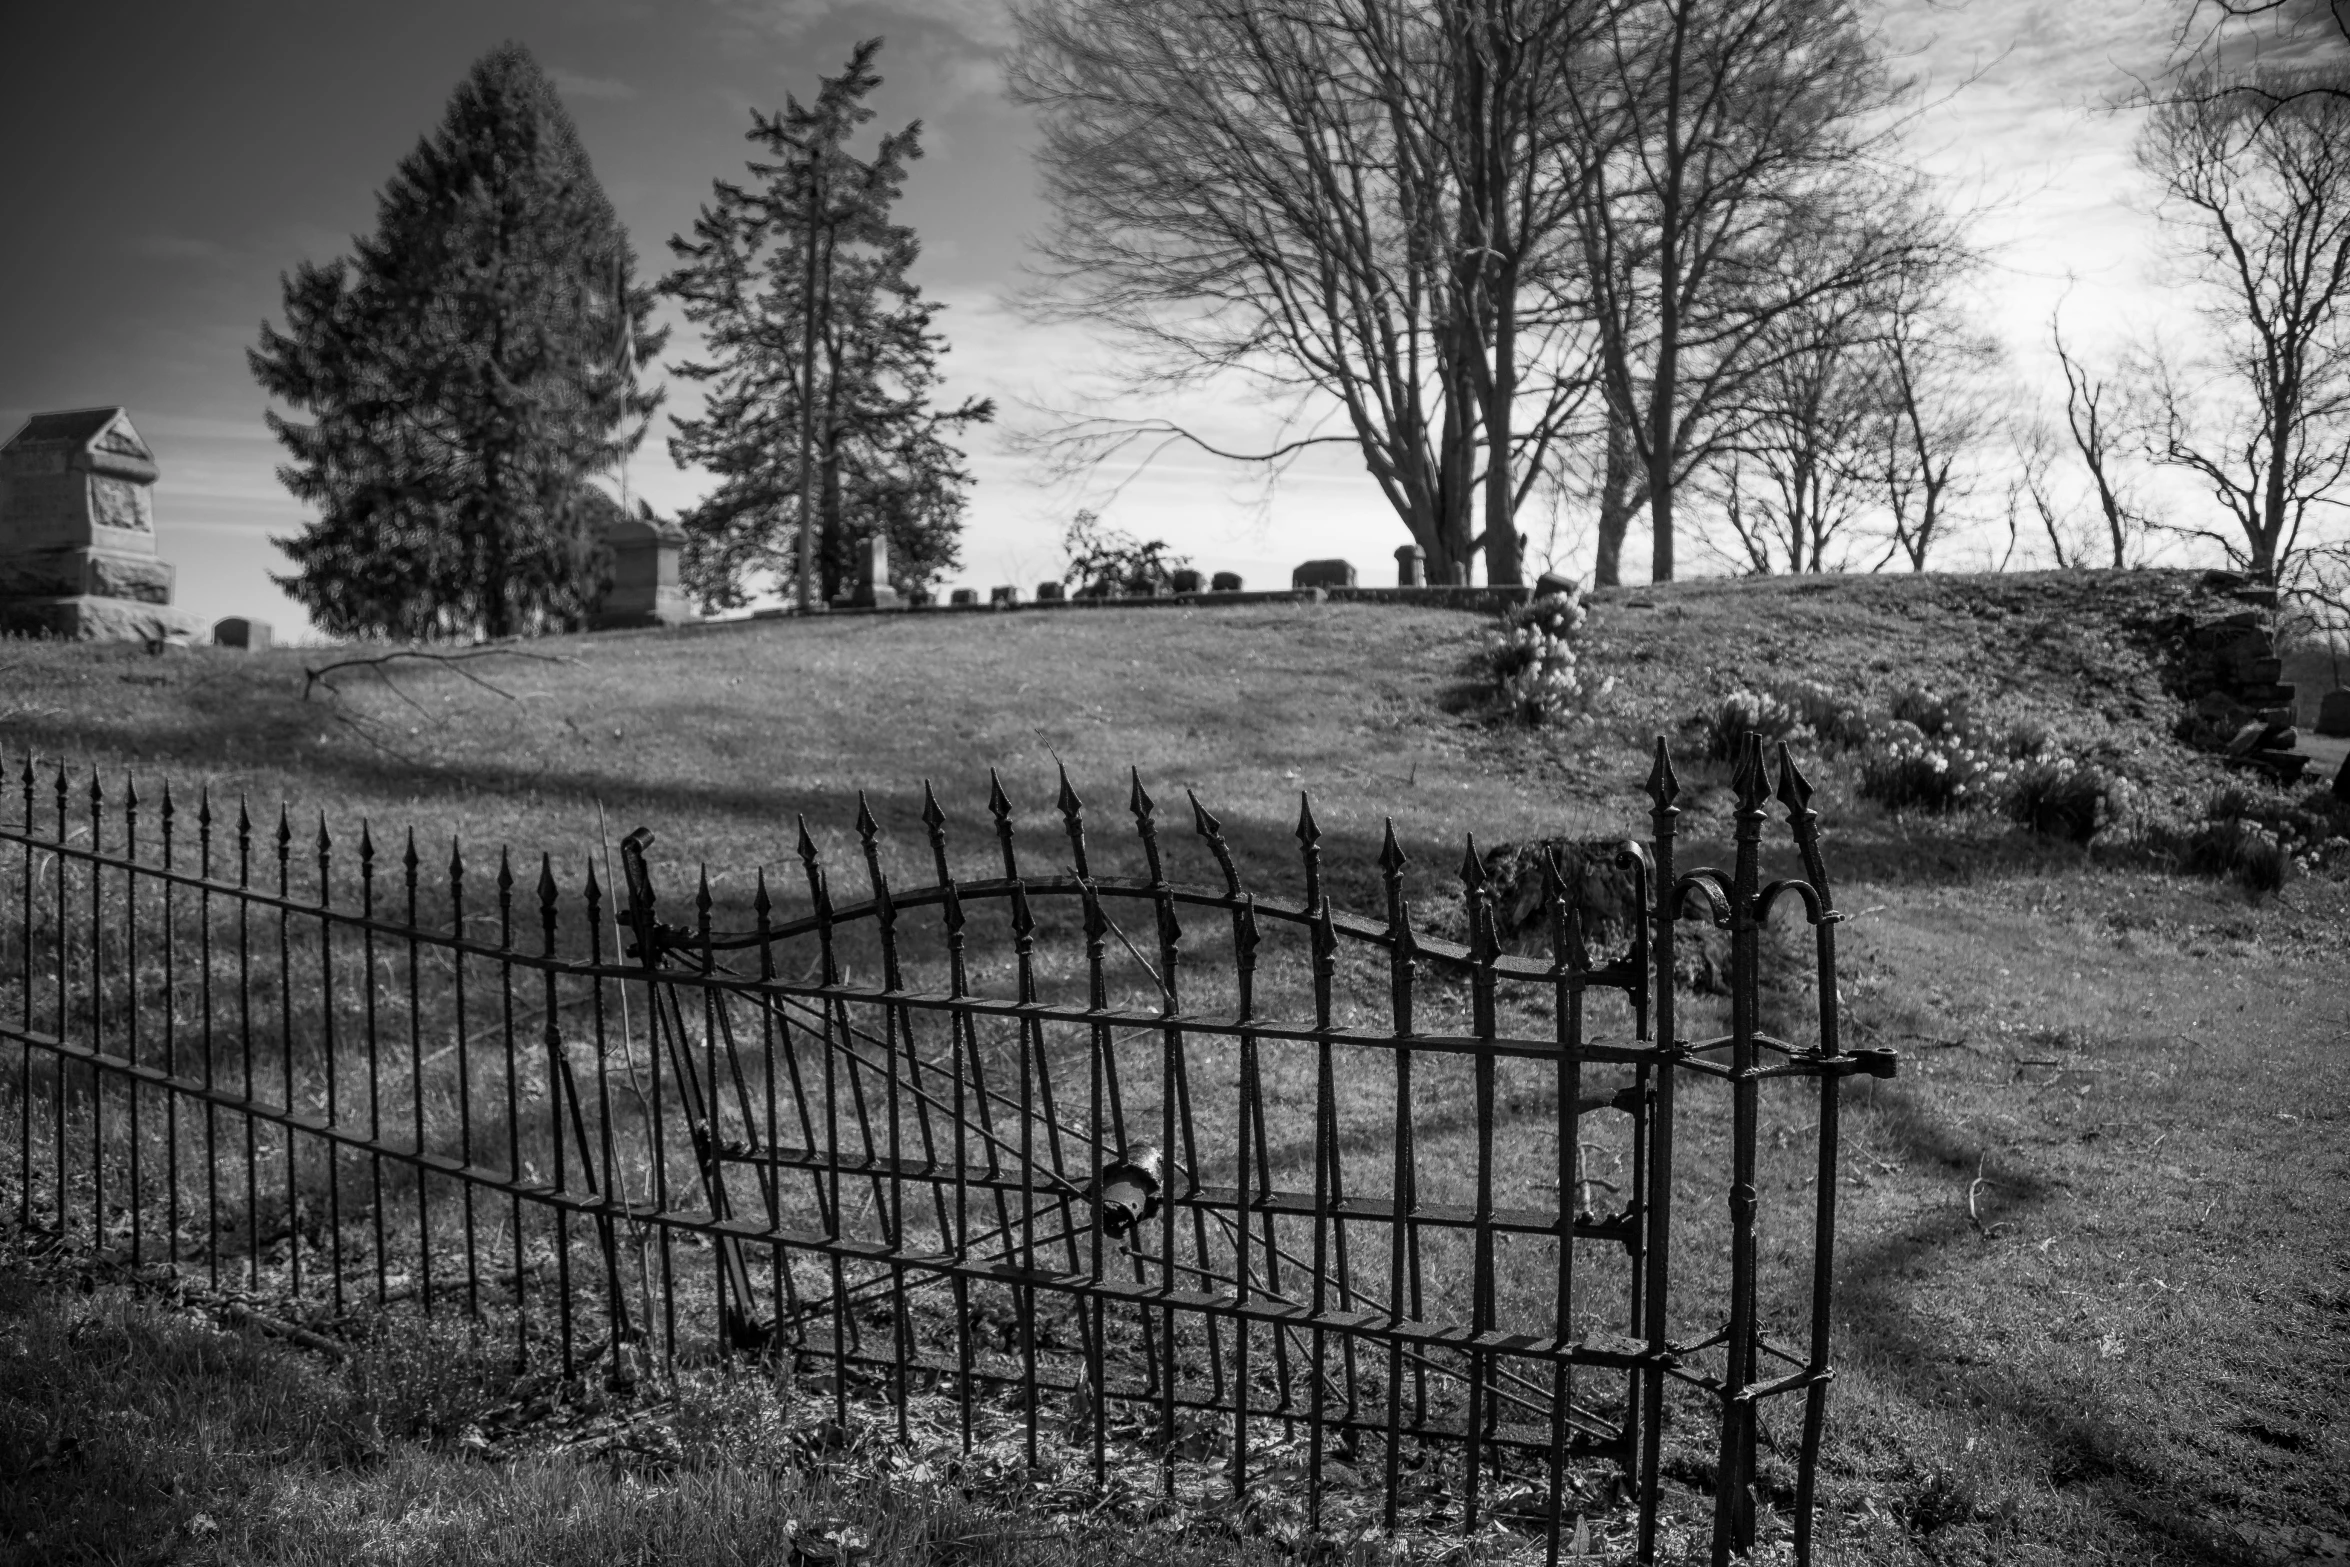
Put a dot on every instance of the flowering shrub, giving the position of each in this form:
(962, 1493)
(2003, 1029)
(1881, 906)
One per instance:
(2059, 797)
(1933, 715)
(1906, 769)
(1800, 712)
(1536, 671)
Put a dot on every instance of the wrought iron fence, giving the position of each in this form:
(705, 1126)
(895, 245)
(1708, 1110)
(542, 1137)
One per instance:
(1207, 1170)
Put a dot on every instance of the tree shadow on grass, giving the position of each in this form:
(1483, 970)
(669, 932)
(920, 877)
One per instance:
(2082, 1441)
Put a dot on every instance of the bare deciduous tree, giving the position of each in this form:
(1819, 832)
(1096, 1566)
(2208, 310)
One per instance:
(1733, 179)
(1353, 199)
(2256, 199)
(2099, 419)
(1936, 376)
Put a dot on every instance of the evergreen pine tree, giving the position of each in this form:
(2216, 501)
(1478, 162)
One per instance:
(880, 461)
(465, 373)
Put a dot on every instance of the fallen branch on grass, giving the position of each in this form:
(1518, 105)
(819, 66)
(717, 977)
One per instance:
(377, 662)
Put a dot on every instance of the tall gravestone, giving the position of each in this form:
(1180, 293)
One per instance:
(873, 590)
(645, 589)
(77, 533)
(1411, 566)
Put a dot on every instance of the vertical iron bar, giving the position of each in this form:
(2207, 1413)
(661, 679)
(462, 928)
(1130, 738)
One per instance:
(1734, 1476)
(966, 1061)
(249, 1094)
(211, 1104)
(1663, 790)
(285, 1043)
(171, 1059)
(1803, 821)
(1402, 950)
(513, 1101)
(820, 901)
(410, 866)
(130, 914)
(98, 1072)
(462, 1044)
(367, 991)
(331, 1145)
(1482, 952)
(1568, 964)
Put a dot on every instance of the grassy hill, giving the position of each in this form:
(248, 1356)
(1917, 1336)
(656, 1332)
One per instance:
(2093, 1272)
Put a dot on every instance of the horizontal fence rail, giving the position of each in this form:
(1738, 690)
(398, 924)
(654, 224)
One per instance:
(1147, 1161)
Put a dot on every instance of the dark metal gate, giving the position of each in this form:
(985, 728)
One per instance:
(1146, 1160)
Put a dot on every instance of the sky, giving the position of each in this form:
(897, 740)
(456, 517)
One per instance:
(171, 162)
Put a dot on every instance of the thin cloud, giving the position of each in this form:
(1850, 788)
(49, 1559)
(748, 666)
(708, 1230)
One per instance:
(986, 22)
(577, 84)
(183, 247)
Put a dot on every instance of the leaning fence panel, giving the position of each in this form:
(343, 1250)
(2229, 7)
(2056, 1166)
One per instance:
(1090, 1136)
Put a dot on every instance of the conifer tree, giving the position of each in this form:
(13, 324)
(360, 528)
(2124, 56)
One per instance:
(465, 372)
(819, 344)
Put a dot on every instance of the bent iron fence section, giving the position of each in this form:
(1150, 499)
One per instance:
(1208, 1173)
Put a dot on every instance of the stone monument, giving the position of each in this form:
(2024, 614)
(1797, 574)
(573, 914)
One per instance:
(873, 585)
(1411, 566)
(645, 590)
(1323, 574)
(77, 534)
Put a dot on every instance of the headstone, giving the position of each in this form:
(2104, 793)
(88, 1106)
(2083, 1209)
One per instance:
(1052, 592)
(77, 533)
(645, 590)
(1187, 581)
(2333, 713)
(1225, 582)
(237, 631)
(1323, 574)
(873, 587)
(963, 596)
(1552, 585)
(1003, 595)
(1460, 573)
(1411, 566)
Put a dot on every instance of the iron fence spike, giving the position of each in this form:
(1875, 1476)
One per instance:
(1308, 832)
(761, 905)
(547, 888)
(867, 828)
(807, 845)
(1794, 788)
(1663, 787)
(1392, 859)
(932, 817)
(999, 805)
(1750, 783)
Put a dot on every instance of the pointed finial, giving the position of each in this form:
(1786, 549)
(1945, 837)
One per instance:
(999, 806)
(130, 791)
(1309, 832)
(325, 843)
(203, 804)
(761, 904)
(1072, 820)
(505, 871)
(702, 898)
(933, 819)
(1203, 822)
(1392, 859)
(547, 882)
(456, 857)
(807, 846)
(1472, 866)
(1749, 783)
(867, 828)
(1663, 787)
(595, 888)
(1146, 827)
(1794, 788)
(366, 842)
(285, 826)
(411, 857)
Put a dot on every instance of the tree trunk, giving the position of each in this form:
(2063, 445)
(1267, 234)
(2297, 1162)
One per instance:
(1615, 502)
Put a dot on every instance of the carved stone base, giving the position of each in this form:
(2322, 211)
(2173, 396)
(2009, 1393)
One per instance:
(86, 570)
(88, 617)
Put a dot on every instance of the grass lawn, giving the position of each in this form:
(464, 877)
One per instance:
(2094, 1266)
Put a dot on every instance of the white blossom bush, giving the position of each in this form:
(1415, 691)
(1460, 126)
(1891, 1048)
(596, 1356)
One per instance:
(1906, 769)
(1536, 667)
